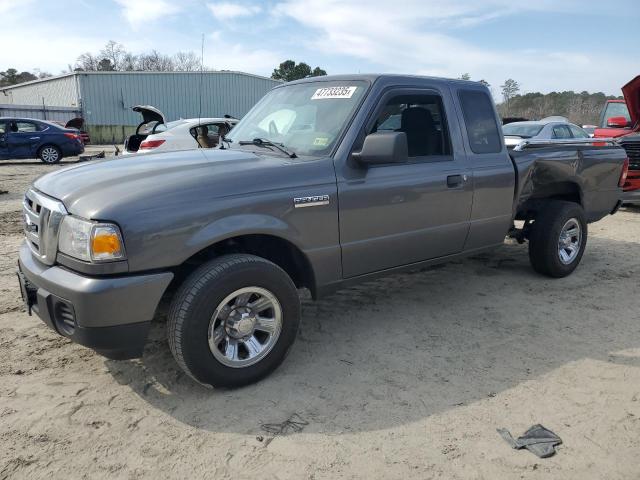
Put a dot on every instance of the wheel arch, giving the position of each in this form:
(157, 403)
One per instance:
(275, 248)
(568, 191)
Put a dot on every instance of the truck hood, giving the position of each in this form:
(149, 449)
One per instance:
(631, 92)
(100, 190)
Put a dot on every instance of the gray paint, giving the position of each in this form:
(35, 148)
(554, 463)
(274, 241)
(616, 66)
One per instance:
(379, 218)
(98, 302)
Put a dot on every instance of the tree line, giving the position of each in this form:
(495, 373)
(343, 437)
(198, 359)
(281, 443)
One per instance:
(582, 108)
(11, 76)
(114, 57)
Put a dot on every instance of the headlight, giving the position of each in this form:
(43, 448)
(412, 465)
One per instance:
(90, 241)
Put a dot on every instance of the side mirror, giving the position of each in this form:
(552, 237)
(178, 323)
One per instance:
(617, 122)
(383, 147)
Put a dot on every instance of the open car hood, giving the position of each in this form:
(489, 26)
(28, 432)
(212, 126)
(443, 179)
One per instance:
(77, 123)
(149, 113)
(631, 92)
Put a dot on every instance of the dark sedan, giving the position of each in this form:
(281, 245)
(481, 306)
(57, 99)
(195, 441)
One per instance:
(30, 138)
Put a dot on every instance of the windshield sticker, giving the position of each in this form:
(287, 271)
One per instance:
(320, 142)
(334, 92)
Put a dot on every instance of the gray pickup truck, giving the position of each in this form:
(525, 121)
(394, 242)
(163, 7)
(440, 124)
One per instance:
(324, 183)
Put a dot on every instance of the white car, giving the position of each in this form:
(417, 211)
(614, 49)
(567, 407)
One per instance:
(155, 134)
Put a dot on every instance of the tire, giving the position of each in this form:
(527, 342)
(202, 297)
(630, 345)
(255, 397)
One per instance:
(205, 310)
(50, 154)
(545, 252)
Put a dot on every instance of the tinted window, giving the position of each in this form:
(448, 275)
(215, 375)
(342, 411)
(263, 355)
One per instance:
(422, 119)
(578, 132)
(561, 131)
(480, 121)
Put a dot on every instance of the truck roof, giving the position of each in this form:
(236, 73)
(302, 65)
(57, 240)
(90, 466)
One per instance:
(388, 77)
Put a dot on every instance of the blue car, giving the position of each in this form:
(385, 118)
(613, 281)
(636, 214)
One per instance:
(30, 138)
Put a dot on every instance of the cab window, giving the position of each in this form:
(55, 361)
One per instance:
(480, 121)
(422, 119)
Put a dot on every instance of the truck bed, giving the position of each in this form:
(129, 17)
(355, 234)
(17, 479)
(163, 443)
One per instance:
(585, 172)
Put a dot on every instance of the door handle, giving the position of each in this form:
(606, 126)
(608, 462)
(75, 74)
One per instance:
(454, 181)
(34, 138)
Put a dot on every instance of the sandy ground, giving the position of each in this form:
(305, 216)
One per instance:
(404, 377)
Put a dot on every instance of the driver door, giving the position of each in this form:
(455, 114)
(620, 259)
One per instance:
(402, 213)
(23, 139)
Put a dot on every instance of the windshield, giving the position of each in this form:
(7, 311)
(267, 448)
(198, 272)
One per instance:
(615, 109)
(307, 118)
(524, 130)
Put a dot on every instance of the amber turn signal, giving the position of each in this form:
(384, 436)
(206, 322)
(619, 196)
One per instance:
(106, 243)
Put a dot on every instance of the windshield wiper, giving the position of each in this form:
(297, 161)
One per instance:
(263, 142)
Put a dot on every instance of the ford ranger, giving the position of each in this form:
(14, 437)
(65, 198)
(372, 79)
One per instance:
(324, 183)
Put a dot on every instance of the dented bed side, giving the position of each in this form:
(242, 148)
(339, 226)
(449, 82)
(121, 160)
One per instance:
(586, 174)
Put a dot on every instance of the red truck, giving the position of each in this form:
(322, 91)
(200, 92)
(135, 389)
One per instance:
(621, 119)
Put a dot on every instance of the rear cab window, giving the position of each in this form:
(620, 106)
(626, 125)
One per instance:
(480, 122)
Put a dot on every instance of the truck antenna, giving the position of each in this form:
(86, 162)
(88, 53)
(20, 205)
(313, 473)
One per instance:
(201, 77)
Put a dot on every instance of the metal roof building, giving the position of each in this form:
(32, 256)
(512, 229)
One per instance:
(104, 99)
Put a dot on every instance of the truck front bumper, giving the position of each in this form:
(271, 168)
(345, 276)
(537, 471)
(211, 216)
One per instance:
(111, 315)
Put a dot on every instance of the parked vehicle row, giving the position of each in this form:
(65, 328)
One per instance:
(326, 182)
(29, 138)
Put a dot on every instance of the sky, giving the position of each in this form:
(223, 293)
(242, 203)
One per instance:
(545, 45)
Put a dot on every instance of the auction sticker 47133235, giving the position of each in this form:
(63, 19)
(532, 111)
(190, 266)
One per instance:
(334, 92)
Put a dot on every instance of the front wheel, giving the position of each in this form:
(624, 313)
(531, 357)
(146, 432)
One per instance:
(558, 238)
(233, 320)
(50, 154)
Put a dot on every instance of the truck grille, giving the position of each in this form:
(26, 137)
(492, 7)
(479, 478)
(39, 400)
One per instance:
(42, 217)
(633, 152)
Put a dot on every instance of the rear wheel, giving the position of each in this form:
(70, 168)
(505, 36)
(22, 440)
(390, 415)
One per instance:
(233, 320)
(50, 154)
(558, 238)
